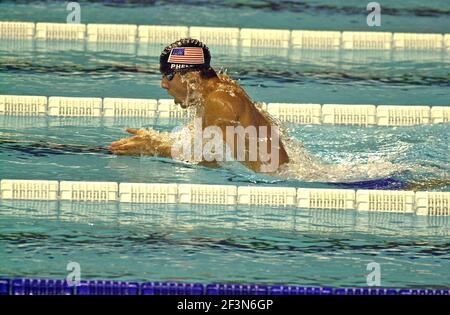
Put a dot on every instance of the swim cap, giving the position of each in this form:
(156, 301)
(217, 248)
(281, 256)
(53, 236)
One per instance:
(186, 54)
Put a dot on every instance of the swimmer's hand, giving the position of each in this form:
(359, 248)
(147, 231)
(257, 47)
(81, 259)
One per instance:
(140, 144)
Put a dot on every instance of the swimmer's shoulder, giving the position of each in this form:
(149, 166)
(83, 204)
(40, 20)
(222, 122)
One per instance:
(223, 104)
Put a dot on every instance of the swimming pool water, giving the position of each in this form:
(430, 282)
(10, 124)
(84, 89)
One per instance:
(209, 244)
(223, 244)
(66, 149)
(343, 77)
(397, 15)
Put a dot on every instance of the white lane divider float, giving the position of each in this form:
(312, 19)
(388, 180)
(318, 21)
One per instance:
(447, 41)
(440, 114)
(17, 30)
(129, 107)
(418, 41)
(225, 36)
(327, 40)
(168, 109)
(57, 31)
(403, 115)
(385, 201)
(252, 37)
(157, 34)
(267, 196)
(29, 189)
(335, 114)
(75, 106)
(341, 199)
(432, 203)
(207, 194)
(23, 105)
(420, 203)
(367, 40)
(148, 193)
(88, 191)
(116, 33)
(309, 114)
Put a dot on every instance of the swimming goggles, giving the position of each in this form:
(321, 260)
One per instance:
(169, 76)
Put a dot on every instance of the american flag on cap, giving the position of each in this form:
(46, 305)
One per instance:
(187, 55)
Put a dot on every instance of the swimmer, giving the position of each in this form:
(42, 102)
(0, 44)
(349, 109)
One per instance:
(189, 79)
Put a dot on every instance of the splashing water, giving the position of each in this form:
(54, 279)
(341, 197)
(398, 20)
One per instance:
(303, 165)
(194, 100)
(306, 167)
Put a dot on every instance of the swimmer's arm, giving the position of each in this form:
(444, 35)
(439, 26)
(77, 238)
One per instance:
(147, 143)
(144, 142)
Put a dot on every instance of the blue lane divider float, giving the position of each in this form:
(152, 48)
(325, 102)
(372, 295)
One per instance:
(37, 287)
(107, 288)
(237, 289)
(26, 286)
(172, 288)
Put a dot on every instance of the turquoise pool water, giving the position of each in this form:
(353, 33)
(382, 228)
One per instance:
(397, 15)
(223, 244)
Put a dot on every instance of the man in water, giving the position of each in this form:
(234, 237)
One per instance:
(190, 80)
